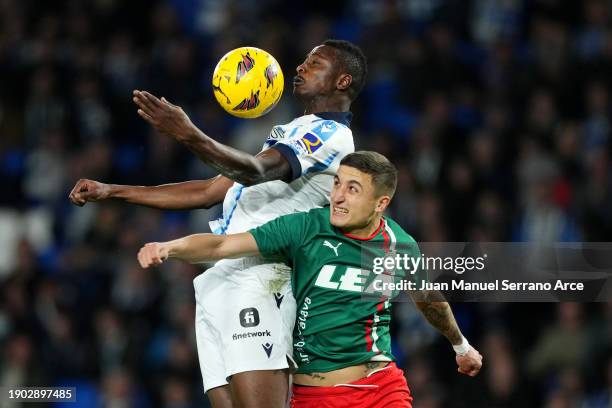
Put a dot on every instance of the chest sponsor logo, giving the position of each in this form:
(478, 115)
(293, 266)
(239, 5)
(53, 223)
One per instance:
(351, 279)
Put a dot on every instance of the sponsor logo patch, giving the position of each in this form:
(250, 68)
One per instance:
(311, 142)
(249, 317)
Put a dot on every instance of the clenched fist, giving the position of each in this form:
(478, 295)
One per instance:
(88, 190)
(469, 363)
(153, 253)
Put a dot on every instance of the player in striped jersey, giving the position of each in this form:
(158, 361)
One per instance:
(341, 340)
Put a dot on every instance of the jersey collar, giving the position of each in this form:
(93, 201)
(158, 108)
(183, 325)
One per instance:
(375, 233)
(340, 117)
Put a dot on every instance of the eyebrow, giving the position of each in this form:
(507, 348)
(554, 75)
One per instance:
(350, 181)
(317, 53)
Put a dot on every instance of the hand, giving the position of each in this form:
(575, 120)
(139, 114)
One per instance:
(469, 363)
(153, 253)
(88, 190)
(165, 117)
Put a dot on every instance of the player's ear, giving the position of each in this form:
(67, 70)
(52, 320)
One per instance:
(344, 82)
(383, 203)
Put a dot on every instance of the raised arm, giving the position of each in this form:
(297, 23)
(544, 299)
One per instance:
(237, 165)
(199, 248)
(440, 316)
(178, 196)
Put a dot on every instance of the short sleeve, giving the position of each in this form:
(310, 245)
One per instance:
(314, 148)
(279, 239)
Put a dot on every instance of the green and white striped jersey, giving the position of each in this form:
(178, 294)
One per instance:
(341, 321)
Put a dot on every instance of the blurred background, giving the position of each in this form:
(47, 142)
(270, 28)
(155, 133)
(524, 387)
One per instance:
(496, 112)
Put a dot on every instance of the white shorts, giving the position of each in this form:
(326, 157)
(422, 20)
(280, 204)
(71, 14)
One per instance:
(245, 312)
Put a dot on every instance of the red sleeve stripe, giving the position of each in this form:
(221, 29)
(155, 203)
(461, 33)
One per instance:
(371, 324)
(386, 242)
(368, 335)
(371, 336)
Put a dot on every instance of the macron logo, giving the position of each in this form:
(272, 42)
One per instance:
(279, 298)
(329, 245)
(268, 348)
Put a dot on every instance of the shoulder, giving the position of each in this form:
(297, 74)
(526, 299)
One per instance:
(315, 214)
(320, 213)
(330, 135)
(316, 219)
(303, 225)
(324, 129)
(400, 235)
(330, 130)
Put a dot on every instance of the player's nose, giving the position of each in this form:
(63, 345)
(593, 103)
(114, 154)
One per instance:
(337, 196)
(300, 69)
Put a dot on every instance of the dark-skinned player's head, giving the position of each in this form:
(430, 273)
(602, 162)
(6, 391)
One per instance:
(336, 68)
(363, 187)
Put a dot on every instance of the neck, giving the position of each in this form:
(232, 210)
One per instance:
(326, 104)
(367, 230)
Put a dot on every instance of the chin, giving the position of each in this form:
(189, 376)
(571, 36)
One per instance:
(300, 92)
(338, 221)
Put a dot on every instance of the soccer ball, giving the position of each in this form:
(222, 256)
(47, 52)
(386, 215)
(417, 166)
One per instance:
(248, 82)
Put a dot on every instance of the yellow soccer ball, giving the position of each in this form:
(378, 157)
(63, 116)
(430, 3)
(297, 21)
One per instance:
(248, 82)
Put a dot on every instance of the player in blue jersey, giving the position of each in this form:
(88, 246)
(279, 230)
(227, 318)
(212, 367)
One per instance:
(341, 340)
(244, 307)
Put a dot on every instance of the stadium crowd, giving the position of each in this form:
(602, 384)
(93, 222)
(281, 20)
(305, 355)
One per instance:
(496, 112)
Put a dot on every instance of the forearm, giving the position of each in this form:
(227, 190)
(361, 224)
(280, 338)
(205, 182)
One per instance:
(239, 166)
(234, 164)
(440, 316)
(177, 196)
(211, 247)
(195, 248)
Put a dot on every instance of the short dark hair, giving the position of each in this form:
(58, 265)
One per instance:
(383, 172)
(353, 61)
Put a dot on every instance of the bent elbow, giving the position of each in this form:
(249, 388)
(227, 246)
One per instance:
(252, 181)
(256, 175)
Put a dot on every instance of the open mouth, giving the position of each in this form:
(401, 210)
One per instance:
(298, 80)
(340, 211)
